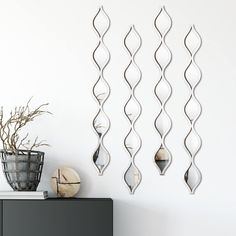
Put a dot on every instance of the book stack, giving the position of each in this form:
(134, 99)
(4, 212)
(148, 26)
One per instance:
(36, 195)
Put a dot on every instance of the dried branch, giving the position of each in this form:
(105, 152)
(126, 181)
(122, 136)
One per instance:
(19, 118)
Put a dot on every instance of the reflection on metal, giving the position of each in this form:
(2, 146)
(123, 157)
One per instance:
(163, 90)
(101, 90)
(132, 109)
(192, 109)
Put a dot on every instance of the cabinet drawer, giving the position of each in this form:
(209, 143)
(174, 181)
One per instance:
(57, 217)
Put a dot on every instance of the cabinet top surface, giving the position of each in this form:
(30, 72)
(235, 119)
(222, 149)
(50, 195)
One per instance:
(80, 199)
(61, 199)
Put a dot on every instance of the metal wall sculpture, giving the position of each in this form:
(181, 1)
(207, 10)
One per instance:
(132, 109)
(163, 90)
(192, 109)
(101, 90)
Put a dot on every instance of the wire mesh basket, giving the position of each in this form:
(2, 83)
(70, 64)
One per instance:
(22, 169)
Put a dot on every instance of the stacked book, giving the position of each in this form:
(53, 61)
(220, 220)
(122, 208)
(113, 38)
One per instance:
(41, 195)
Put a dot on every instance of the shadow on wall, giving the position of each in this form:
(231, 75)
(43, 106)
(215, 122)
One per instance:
(132, 219)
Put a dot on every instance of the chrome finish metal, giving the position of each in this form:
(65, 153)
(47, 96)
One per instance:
(101, 90)
(163, 90)
(132, 109)
(192, 110)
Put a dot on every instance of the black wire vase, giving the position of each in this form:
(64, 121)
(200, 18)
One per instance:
(22, 169)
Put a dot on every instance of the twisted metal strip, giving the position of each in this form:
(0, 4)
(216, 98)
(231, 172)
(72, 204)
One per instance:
(132, 176)
(101, 92)
(163, 157)
(193, 175)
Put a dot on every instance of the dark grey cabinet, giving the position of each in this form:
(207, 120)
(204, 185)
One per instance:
(57, 217)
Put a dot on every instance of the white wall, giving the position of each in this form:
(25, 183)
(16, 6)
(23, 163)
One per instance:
(45, 51)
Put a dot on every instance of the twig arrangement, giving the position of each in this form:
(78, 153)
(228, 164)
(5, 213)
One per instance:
(11, 127)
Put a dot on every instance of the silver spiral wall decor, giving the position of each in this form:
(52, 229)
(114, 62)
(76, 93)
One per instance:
(163, 90)
(101, 90)
(192, 109)
(132, 109)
